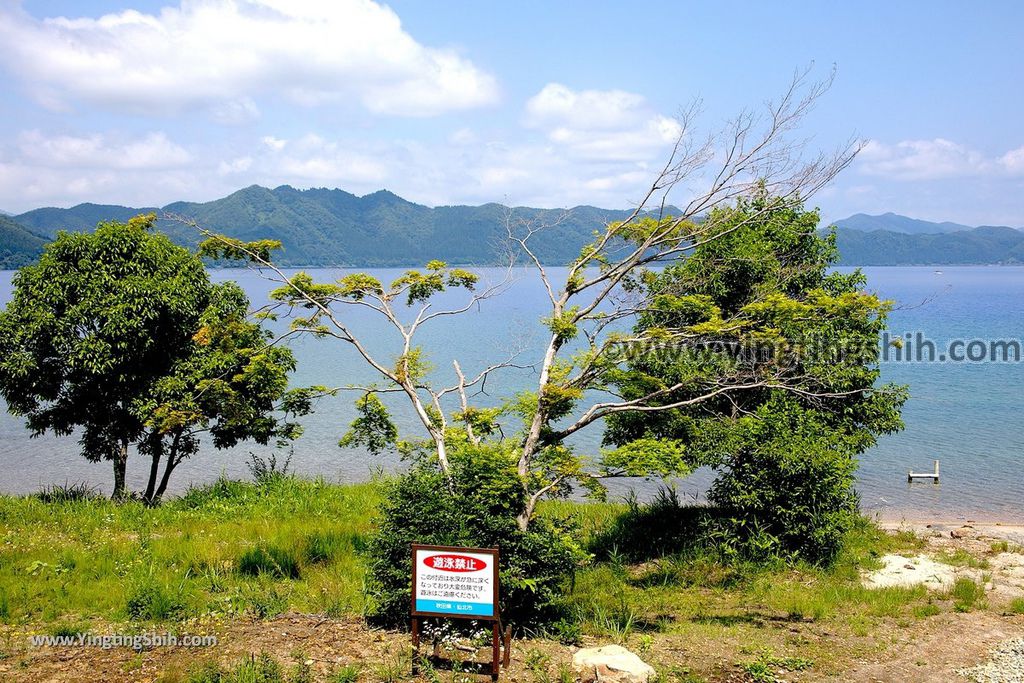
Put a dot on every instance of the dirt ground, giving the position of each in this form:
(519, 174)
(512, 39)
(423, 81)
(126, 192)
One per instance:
(931, 649)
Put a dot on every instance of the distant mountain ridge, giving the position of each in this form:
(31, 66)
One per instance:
(325, 227)
(979, 246)
(893, 222)
(321, 227)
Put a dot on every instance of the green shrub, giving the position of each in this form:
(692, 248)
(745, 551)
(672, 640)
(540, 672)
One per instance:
(207, 672)
(149, 600)
(784, 492)
(262, 669)
(966, 594)
(266, 602)
(269, 559)
(479, 510)
(567, 631)
(69, 493)
(764, 668)
(268, 470)
(346, 674)
(789, 490)
(1017, 606)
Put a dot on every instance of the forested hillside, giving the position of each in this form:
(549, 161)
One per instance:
(321, 227)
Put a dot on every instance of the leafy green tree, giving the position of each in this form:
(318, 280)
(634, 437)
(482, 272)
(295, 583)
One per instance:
(230, 382)
(119, 334)
(758, 311)
(635, 349)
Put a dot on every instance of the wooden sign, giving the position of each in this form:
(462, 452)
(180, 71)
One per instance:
(454, 582)
(457, 583)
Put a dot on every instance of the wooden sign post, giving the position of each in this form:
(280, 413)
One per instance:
(456, 583)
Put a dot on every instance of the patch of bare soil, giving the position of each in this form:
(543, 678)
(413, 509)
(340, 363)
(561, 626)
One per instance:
(933, 650)
(325, 645)
(928, 649)
(998, 551)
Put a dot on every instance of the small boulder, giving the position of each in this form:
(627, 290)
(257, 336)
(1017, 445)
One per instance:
(611, 664)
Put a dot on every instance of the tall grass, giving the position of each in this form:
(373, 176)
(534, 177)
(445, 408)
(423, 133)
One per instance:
(222, 549)
(629, 590)
(287, 543)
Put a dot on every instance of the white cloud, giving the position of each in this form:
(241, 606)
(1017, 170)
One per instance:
(235, 112)
(610, 125)
(239, 165)
(37, 169)
(152, 170)
(922, 160)
(313, 158)
(1013, 161)
(223, 53)
(273, 143)
(463, 136)
(153, 151)
(585, 109)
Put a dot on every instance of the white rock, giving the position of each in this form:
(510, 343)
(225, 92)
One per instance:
(611, 664)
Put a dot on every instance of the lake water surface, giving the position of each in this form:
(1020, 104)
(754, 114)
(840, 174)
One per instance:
(967, 415)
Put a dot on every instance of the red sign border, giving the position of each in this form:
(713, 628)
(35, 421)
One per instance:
(493, 552)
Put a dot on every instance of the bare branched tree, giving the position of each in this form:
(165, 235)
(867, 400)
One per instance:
(590, 303)
(404, 305)
(754, 153)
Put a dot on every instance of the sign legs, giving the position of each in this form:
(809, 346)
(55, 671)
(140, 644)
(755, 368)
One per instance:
(501, 645)
(415, 646)
(496, 650)
(508, 646)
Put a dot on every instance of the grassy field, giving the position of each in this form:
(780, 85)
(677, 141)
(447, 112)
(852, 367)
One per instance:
(242, 552)
(222, 551)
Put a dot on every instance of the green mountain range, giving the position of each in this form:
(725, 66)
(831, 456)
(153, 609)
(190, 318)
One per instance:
(893, 222)
(321, 227)
(985, 245)
(18, 245)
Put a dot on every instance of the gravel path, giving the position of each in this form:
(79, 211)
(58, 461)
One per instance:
(1006, 665)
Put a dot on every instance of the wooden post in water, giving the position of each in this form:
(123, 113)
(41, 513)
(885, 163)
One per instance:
(934, 475)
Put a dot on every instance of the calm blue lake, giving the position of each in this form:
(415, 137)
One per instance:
(967, 415)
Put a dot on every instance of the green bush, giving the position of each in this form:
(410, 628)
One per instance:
(262, 669)
(149, 600)
(68, 493)
(789, 491)
(346, 674)
(479, 510)
(966, 594)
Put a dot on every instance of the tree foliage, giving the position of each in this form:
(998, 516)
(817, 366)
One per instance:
(475, 506)
(698, 336)
(759, 308)
(120, 335)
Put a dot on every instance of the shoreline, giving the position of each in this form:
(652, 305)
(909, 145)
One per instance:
(1005, 531)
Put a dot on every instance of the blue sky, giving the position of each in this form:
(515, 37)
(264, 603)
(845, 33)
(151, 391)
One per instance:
(549, 104)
